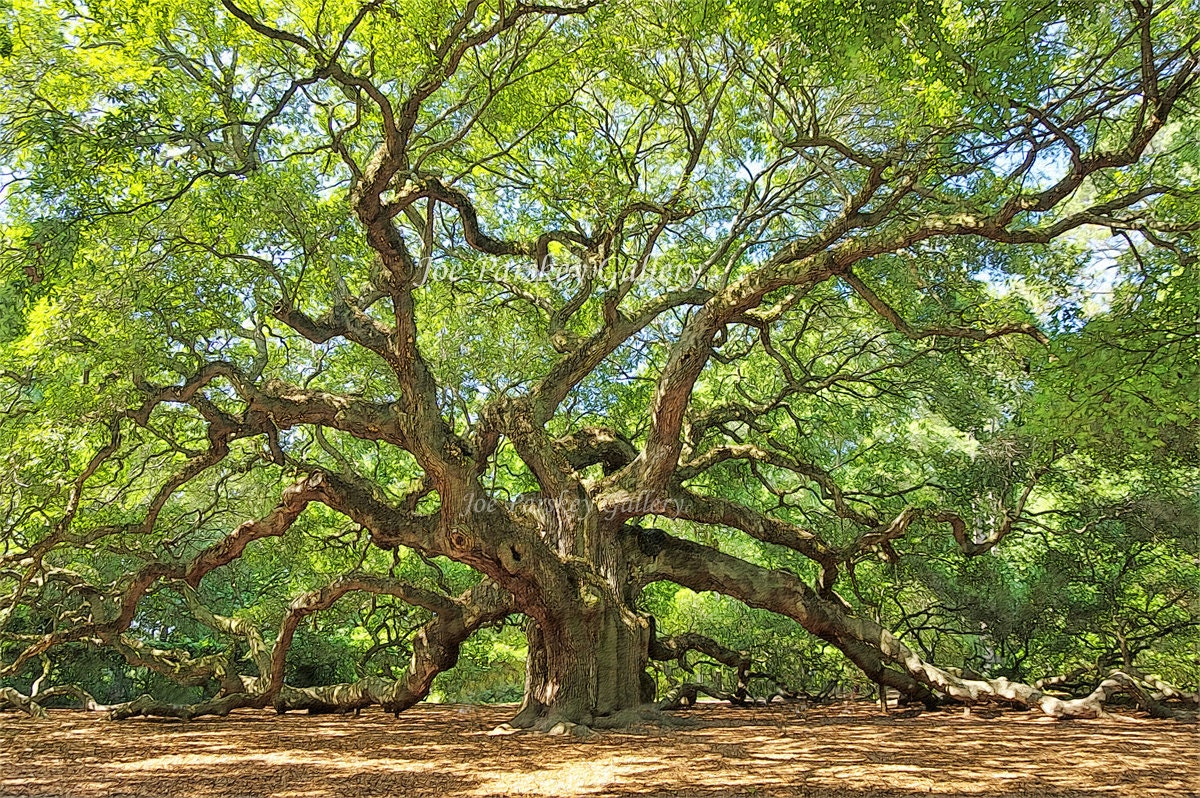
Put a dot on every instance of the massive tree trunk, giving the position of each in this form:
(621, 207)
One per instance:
(587, 667)
(588, 646)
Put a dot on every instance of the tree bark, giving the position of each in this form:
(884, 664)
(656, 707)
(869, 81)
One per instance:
(587, 665)
(880, 654)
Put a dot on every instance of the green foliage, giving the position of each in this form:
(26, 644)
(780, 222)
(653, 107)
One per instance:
(173, 183)
(490, 669)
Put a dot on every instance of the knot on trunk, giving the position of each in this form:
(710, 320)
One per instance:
(460, 540)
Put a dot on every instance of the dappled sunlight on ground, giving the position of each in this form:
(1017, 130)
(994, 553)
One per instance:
(845, 751)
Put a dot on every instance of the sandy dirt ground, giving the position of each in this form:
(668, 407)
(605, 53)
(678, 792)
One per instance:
(842, 752)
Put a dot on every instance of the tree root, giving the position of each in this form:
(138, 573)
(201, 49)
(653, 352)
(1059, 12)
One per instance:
(554, 725)
(556, 728)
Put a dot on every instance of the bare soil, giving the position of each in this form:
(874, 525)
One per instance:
(845, 751)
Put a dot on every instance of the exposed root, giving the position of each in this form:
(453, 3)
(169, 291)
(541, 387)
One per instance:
(552, 723)
(565, 727)
(549, 725)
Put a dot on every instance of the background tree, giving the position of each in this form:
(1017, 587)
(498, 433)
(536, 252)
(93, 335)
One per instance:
(312, 300)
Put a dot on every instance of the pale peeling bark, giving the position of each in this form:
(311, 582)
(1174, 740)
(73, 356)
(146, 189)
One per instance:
(33, 704)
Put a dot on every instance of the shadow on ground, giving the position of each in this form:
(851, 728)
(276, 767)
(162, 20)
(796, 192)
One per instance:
(849, 751)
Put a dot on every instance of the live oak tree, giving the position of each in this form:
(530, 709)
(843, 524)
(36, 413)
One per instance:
(749, 298)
